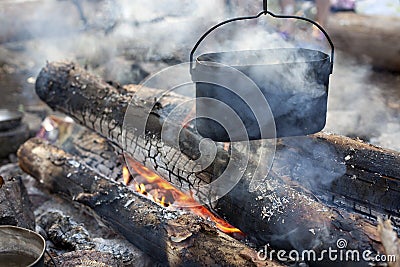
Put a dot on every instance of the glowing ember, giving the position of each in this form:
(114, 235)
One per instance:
(163, 193)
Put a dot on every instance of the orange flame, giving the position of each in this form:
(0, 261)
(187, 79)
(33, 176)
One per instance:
(169, 194)
(126, 175)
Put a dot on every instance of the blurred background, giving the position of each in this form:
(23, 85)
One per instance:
(126, 40)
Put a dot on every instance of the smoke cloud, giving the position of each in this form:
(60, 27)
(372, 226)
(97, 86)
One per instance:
(127, 40)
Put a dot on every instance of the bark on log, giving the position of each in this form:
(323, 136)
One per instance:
(276, 213)
(172, 237)
(370, 180)
(102, 107)
(372, 173)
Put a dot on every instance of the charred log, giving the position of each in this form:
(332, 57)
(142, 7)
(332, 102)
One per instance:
(15, 207)
(172, 237)
(86, 258)
(69, 214)
(65, 232)
(277, 213)
(344, 171)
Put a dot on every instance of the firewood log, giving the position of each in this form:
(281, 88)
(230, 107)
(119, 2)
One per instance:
(176, 238)
(15, 207)
(277, 213)
(367, 177)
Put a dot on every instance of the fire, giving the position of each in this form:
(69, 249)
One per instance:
(141, 189)
(126, 175)
(166, 195)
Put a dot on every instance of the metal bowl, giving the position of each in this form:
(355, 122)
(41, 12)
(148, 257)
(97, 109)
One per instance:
(21, 247)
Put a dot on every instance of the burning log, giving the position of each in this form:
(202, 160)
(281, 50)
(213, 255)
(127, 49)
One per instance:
(276, 213)
(173, 237)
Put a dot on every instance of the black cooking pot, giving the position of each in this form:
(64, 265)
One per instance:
(294, 81)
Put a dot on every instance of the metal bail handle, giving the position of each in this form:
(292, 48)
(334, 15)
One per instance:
(264, 12)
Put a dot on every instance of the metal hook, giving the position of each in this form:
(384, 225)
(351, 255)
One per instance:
(265, 4)
(264, 12)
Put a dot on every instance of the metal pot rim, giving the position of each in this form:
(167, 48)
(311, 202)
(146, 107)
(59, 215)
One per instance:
(20, 229)
(204, 62)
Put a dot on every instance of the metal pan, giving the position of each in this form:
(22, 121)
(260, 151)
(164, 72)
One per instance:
(9, 119)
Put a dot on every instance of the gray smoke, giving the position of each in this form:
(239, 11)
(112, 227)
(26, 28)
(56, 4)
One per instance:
(365, 104)
(100, 33)
(114, 37)
(312, 163)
